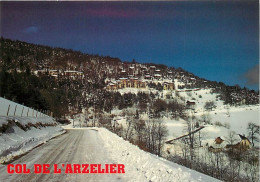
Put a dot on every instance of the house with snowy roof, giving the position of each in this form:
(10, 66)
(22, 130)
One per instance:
(243, 144)
(190, 105)
(218, 145)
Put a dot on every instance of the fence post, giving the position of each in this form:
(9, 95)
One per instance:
(28, 112)
(36, 114)
(22, 112)
(8, 110)
(15, 109)
(32, 112)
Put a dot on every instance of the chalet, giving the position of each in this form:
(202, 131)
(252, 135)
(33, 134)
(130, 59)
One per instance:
(218, 145)
(190, 105)
(157, 76)
(112, 86)
(219, 140)
(123, 83)
(244, 144)
(40, 72)
(170, 75)
(148, 77)
(123, 73)
(53, 72)
(131, 70)
(135, 83)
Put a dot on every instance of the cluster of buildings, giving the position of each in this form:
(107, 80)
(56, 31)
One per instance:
(220, 144)
(60, 73)
(126, 83)
(134, 83)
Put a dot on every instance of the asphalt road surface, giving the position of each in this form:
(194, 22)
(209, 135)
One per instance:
(82, 146)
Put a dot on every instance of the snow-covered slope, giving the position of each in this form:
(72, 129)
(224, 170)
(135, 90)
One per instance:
(16, 109)
(16, 141)
(143, 166)
(20, 133)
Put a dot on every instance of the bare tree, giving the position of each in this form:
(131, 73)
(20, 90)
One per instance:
(190, 121)
(253, 132)
(129, 128)
(209, 105)
(231, 139)
(139, 126)
(155, 133)
(161, 132)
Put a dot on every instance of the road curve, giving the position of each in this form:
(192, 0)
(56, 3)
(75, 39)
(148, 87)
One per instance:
(82, 146)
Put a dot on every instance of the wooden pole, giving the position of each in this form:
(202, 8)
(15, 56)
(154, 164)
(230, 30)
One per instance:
(15, 109)
(22, 112)
(8, 110)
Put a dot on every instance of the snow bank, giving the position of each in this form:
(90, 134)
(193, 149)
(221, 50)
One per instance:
(18, 135)
(142, 166)
(26, 120)
(20, 142)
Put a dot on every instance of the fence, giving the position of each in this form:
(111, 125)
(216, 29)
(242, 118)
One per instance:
(9, 108)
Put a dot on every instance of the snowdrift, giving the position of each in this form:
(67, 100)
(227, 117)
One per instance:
(18, 135)
(143, 166)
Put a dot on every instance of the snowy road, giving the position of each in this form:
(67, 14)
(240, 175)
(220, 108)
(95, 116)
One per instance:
(82, 146)
(99, 146)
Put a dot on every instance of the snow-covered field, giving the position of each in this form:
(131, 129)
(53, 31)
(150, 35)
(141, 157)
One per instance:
(233, 118)
(236, 121)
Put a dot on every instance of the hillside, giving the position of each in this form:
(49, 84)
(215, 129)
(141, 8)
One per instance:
(215, 127)
(75, 80)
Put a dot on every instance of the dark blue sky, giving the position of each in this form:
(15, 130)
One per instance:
(216, 40)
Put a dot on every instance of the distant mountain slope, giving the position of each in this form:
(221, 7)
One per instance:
(21, 63)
